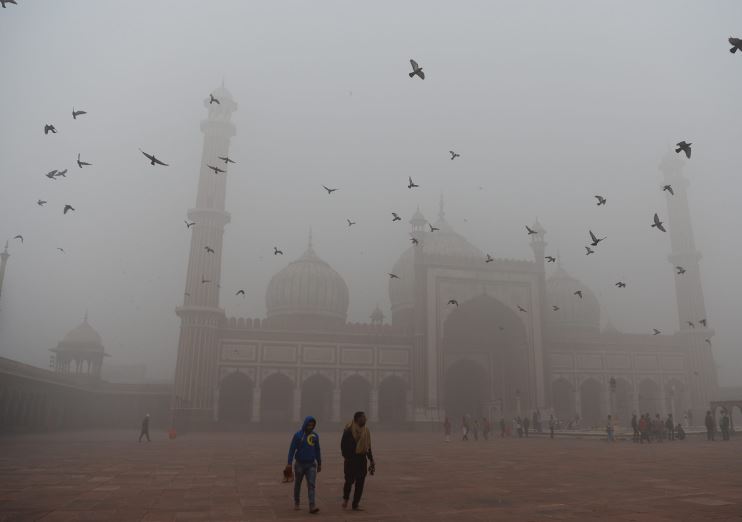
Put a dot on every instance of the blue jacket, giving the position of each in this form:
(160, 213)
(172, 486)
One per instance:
(305, 446)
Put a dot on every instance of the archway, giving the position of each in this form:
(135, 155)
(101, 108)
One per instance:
(623, 402)
(235, 399)
(563, 399)
(355, 395)
(467, 390)
(392, 400)
(276, 399)
(649, 397)
(591, 398)
(316, 398)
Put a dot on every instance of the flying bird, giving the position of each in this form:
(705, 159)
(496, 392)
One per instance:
(453, 302)
(589, 251)
(703, 322)
(416, 70)
(454, 155)
(329, 190)
(204, 281)
(3, 2)
(521, 309)
(51, 175)
(531, 232)
(595, 239)
(226, 159)
(578, 293)
(49, 128)
(690, 323)
(488, 259)
(277, 252)
(414, 241)
(75, 113)
(82, 164)
(189, 224)
(240, 292)
(392, 276)
(41, 202)
(61, 250)
(432, 228)
(213, 100)
(350, 223)
(679, 270)
(668, 188)
(19, 237)
(216, 170)
(410, 184)
(601, 200)
(67, 208)
(550, 259)
(209, 250)
(736, 43)
(395, 217)
(658, 224)
(708, 341)
(621, 284)
(685, 147)
(61, 174)
(152, 159)
(554, 307)
(656, 331)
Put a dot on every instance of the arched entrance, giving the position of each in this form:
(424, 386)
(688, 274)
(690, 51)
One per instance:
(591, 398)
(649, 397)
(355, 395)
(467, 390)
(316, 398)
(563, 399)
(392, 400)
(276, 399)
(235, 399)
(623, 402)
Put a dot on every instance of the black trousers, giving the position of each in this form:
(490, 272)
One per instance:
(355, 473)
(144, 433)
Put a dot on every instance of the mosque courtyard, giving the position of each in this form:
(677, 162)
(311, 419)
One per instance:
(104, 476)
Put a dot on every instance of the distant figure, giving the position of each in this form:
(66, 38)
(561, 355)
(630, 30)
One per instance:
(552, 425)
(710, 427)
(670, 427)
(609, 428)
(356, 448)
(476, 429)
(526, 425)
(519, 426)
(144, 432)
(305, 454)
(502, 427)
(635, 427)
(486, 428)
(537, 421)
(447, 429)
(679, 432)
(465, 427)
(658, 428)
(644, 429)
(724, 424)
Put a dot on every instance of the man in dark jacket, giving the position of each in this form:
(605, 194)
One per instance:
(710, 426)
(356, 448)
(144, 432)
(305, 453)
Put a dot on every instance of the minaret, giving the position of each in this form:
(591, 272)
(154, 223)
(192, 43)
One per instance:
(688, 290)
(538, 245)
(3, 261)
(420, 363)
(200, 315)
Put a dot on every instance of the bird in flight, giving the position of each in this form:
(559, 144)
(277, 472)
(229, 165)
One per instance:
(531, 232)
(416, 70)
(82, 164)
(554, 307)
(152, 160)
(226, 159)
(621, 284)
(736, 43)
(453, 302)
(601, 199)
(578, 293)
(277, 252)
(679, 270)
(703, 322)
(685, 147)
(216, 170)
(589, 251)
(240, 292)
(656, 331)
(209, 250)
(690, 323)
(3, 2)
(61, 174)
(41, 202)
(454, 155)
(708, 341)
(350, 223)
(213, 100)
(658, 224)
(550, 259)
(410, 184)
(668, 188)
(204, 281)
(432, 228)
(595, 239)
(189, 224)
(67, 208)
(49, 128)
(392, 276)
(52, 174)
(521, 309)
(61, 250)
(75, 113)
(329, 190)
(488, 259)
(414, 241)
(395, 217)
(19, 237)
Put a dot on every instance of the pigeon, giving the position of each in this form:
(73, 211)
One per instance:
(52, 174)
(277, 252)
(658, 224)
(501, 328)
(186, 294)
(410, 184)
(204, 281)
(3, 2)
(656, 331)
(708, 341)
(668, 188)
(488, 259)
(453, 302)
(49, 128)
(19, 237)
(213, 100)
(521, 309)
(209, 249)
(67, 208)
(685, 147)
(350, 223)
(601, 200)
(589, 251)
(329, 190)
(578, 293)
(690, 323)
(152, 159)
(414, 241)
(531, 232)
(75, 113)
(189, 224)
(395, 217)
(392, 276)
(216, 170)
(82, 164)
(454, 155)
(432, 228)
(554, 307)
(416, 70)
(226, 159)
(703, 322)
(61, 174)
(41, 202)
(550, 259)
(621, 284)
(679, 270)
(240, 292)
(595, 239)
(61, 250)
(736, 43)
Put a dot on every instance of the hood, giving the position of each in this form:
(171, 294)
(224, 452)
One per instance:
(307, 420)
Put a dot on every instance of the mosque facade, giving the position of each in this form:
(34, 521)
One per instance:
(499, 351)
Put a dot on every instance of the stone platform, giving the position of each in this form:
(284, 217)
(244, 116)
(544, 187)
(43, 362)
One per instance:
(104, 476)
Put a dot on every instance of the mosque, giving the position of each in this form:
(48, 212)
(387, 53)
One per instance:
(502, 351)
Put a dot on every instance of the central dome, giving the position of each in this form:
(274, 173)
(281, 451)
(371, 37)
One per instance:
(83, 337)
(307, 294)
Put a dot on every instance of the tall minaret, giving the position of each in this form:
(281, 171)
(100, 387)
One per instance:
(538, 245)
(3, 261)
(688, 290)
(200, 315)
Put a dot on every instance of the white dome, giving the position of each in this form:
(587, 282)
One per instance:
(83, 337)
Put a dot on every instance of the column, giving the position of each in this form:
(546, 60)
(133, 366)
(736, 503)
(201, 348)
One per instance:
(663, 403)
(374, 405)
(256, 404)
(336, 405)
(297, 404)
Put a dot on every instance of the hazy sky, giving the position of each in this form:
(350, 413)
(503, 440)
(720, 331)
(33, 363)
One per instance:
(547, 102)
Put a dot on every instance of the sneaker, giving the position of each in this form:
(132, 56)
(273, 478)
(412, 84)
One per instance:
(314, 510)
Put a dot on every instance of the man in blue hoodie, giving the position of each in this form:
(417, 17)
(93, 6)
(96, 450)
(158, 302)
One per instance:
(305, 450)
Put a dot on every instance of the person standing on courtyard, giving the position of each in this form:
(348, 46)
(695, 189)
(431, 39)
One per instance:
(710, 425)
(670, 427)
(609, 428)
(465, 427)
(305, 454)
(526, 425)
(355, 446)
(635, 427)
(644, 428)
(724, 425)
(447, 429)
(476, 429)
(144, 432)
(486, 428)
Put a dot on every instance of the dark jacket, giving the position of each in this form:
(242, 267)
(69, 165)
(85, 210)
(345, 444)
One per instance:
(348, 446)
(305, 446)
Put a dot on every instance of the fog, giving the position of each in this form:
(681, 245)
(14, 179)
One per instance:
(548, 104)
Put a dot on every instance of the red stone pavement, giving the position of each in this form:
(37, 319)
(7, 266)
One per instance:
(236, 476)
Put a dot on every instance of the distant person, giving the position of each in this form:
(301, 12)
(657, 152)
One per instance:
(679, 432)
(355, 446)
(304, 453)
(486, 428)
(503, 427)
(686, 420)
(465, 427)
(518, 425)
(609, 428)
(476, 429)
(526, 425)
(552, 425)
(710, 425)
(447, 429)
(724, 424)
(658, 427)
(144, 432)
(670, 427)
(644, 428)
(635, 427)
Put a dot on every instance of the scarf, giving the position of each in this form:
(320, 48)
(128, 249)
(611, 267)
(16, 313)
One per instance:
(362, 436)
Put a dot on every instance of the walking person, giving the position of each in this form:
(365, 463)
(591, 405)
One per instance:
(552, 424)
(144, 432)
(305, 454)
(670, 427)
(356, 448)
(710, 426)
(526, 425)
(635, 427)
(447, 429)
(724, 425)
(644, 426)
(609, 428)
(476, 429)
(486, 428)
(465, 427)
(519, 427)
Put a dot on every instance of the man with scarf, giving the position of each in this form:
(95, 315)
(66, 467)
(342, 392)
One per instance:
(305, 449)
(356, 448)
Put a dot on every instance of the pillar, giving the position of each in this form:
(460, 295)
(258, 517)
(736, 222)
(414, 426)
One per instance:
(663, 403)
(336, 405)
(256, 404)
(374, 405)
(297, 404)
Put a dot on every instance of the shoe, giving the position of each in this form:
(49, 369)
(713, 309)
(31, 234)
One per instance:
(314, 510)
(357, 508)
